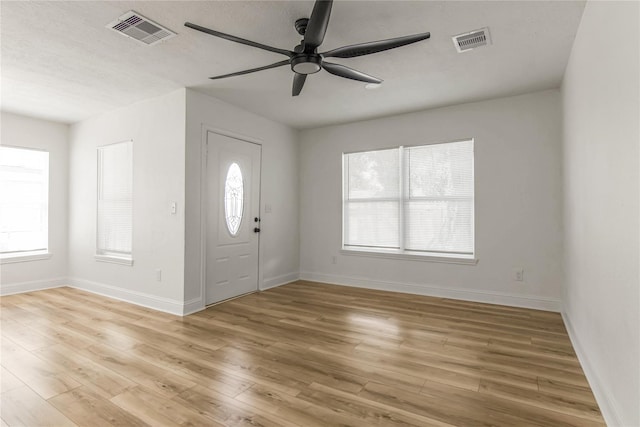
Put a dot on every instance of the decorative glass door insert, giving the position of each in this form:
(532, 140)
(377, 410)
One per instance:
(233, 198)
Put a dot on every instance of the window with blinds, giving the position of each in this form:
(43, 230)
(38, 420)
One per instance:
(24, 201)
(115, 201)
(414, 200)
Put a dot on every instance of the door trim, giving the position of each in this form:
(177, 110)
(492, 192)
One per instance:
(203, 206)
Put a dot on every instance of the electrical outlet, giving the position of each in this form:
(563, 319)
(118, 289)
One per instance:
(159, 275)
(518, 274)
(334, 259)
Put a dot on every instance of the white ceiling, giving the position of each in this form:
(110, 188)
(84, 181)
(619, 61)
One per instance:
(59, 62)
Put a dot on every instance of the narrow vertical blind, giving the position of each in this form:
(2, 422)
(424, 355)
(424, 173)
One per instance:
(372, 199)
(115, 197)
(24, 200)
(416, 199)
(438, 199)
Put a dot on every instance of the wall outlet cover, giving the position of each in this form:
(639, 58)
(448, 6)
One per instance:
(518, 274)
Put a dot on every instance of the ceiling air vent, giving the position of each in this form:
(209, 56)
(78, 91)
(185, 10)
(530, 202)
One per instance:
(468, 41)
(144, 30)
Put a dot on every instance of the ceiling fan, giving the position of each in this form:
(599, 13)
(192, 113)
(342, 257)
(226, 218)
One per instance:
(305, 59)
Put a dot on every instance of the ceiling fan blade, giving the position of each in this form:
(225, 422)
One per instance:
(238, 39)
(374, 47)
(317, 26)
(298, 83)
(349, 73)
(252, 70)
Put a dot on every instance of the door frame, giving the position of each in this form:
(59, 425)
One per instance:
(204, 198)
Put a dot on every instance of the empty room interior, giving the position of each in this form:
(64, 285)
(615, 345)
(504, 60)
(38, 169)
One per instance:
(317, 213)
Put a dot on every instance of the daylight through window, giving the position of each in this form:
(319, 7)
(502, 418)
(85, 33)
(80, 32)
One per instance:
(24, 201)
(410, 200)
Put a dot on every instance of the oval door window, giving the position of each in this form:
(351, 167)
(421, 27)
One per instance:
(233, 198)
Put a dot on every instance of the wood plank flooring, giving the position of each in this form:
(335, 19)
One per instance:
(304, 354)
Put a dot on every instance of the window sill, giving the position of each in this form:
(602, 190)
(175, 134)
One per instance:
(114, 259)
(408, 256)
(25, 257)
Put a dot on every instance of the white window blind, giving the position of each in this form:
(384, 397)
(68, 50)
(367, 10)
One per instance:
(438, 203)
(115, 197)
(24, 201)
(416, 200)
(371, 207)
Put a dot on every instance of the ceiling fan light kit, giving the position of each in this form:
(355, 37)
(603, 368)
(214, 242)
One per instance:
(304, 59)
(306, 64)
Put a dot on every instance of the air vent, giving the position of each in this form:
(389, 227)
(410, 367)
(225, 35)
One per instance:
(468, 41)
(139, 28)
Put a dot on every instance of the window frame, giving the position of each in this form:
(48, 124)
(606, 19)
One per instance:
(39, 253)
(401, 252)
(102, 255)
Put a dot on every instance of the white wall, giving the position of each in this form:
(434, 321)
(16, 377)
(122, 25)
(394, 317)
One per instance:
(518, 201)
(600, 96)
(27, 132)
(157, 128)
(279, 188)
(166, 133)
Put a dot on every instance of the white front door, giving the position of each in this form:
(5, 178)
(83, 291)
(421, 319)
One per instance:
(233, 210)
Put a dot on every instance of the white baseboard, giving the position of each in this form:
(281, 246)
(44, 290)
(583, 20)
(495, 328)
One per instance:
(187, 307)
(35, 285)
(525, 301)
(146, 300)
(279, 280)
(193, 306)
(607, 405)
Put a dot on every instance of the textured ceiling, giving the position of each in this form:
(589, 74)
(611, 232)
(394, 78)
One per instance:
(59, 62)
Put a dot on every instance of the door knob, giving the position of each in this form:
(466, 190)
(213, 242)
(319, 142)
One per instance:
(256, 230)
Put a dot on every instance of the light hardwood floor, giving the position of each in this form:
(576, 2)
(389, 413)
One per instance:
(304, 354)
